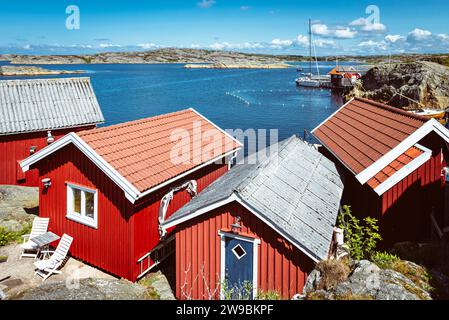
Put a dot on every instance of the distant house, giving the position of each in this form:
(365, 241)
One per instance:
(264, 224)
(344, 76)
(34, 113)
(394, 163)
(111, 187)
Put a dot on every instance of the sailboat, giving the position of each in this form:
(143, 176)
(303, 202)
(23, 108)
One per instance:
(309, 80)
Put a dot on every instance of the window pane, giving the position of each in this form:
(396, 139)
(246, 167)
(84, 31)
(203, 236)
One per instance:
(90, 204)
(76, 201)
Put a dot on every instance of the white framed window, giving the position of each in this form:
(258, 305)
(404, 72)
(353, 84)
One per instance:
(82, 205)
(238, 251)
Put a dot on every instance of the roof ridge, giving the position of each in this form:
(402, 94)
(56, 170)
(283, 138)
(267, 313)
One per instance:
(264, 163)
(392, 109)
(132, 122)
(44, 80)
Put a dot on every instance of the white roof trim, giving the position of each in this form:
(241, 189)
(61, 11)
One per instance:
(217, 127)
(131, 192)
(410, 141)
(235, 197)
(333, 114)
(404, 171)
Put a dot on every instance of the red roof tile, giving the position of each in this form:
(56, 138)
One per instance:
(362, 131)
(141, 150)
(396, 165)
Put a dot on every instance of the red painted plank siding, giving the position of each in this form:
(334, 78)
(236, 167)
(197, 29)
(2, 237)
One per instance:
(107, 247)
(125, 231)
(281, 266)
(16, 147)
(145, 218)
(404, 210)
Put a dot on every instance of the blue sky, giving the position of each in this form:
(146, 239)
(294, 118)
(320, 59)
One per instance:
(268, 26)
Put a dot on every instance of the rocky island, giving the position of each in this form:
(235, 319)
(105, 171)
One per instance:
(238, 66)
(33, 71)
(412, 85)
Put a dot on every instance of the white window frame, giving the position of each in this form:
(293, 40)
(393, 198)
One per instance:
(256, 242)
(81, 217)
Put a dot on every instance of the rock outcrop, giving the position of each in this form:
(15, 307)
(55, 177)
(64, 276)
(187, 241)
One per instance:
(425, 82)
(16, 204)
(238, 66)
(367, 281)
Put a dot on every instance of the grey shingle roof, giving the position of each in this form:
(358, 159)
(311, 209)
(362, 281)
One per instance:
(297, 190)
(44, 104)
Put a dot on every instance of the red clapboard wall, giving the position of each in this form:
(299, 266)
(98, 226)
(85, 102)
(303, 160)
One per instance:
(125, 231)
(281, 266)
(16, 147)
(404, 210)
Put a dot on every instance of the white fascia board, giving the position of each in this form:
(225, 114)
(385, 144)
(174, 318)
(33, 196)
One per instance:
(171, 223)
(217, 127)
(431, 125)
(235, 197)
(130, 191)
(404, 171)
(333, 114)
(147, 192)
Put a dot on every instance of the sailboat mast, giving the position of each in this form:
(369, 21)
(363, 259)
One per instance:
(310, 46)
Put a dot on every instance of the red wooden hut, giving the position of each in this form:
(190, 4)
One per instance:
(394, 163)
(111, 187)
(261, 226)
(33, 113)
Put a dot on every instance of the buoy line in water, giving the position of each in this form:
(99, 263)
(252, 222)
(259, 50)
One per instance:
(235, 94)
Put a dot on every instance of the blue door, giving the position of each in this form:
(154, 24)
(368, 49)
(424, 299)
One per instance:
(239, 267)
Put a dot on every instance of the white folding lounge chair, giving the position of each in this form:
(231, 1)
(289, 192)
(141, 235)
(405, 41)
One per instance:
(30, 249)
(46, 268)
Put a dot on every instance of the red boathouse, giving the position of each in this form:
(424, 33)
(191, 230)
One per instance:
(111, 187)
(259, 228)
(395, 166)
(34, 113)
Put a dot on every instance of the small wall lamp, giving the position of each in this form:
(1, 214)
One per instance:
(50, 138)
(46, 182)
(33, 149)
(236, 227)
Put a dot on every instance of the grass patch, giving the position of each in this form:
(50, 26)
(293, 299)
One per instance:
(268, 295)
(332, 273)
(3, 259)
(150, 293)
(7, 236)
(416, 273)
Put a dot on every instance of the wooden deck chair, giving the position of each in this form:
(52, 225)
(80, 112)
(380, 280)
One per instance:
(30, 249)
(46, 268)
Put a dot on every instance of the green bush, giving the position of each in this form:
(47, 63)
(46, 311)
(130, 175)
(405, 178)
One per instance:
(7, 236)
(361, 239)
(384, 260)
(268, 295)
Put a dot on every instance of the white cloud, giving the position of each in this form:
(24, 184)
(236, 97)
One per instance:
(236, 46)
(366, 25)
(374, 45)
(359, 22)
(302, 40)
(109, 45)
(345, 33)
(374, 27)
(147, 45)
(418, 35)
(393, 38)
(281, 43)
(27, 47)
(323, 43)
(443, 37)
(206, 3)
(320, 29)
(245, 8)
